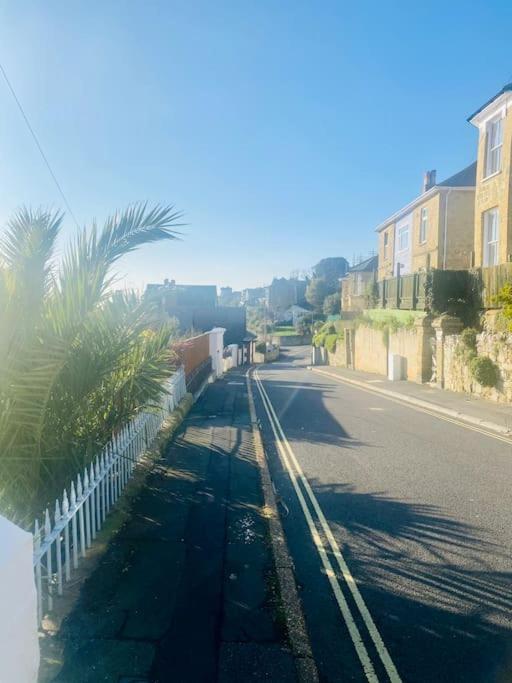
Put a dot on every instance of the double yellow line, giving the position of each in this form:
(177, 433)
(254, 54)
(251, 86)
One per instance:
(311, 508)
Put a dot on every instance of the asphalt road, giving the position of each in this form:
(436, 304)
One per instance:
(404, 564)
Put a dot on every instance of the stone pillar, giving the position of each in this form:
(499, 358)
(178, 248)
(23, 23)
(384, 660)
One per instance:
(424, 333)
(444, 326)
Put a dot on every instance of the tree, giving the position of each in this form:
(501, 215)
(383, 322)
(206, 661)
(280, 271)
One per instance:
(316, 292)
(331, 270)
(76, 361)
(332, 304)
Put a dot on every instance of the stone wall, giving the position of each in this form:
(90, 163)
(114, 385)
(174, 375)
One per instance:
(497, 345)
(370, 351)
(338, 359)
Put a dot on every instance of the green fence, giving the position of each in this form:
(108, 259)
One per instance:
(435, 290)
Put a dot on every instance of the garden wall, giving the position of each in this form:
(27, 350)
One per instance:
(291, 340)
(338, 359)
(370, 350)
(495, 344)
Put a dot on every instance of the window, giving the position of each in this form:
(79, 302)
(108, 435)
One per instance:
(493, 146)
(491, 237)
(423, 225)
(403, 238)
(386, 241)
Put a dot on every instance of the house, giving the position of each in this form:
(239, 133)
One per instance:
(294, 314)
(283, 293)
(253, 296)
(493, 199)
(357, 283)
(435, 230)
(196, 309)
(228, 297)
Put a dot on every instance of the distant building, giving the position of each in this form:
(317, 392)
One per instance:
(196, 309)
(283, 293)
(294, 314)
(355, 286)
(228, 297)
(253, 296)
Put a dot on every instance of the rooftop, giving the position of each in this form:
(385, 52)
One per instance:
(464, 178)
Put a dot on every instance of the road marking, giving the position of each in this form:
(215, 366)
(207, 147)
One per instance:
(419, 409)
(285, 450)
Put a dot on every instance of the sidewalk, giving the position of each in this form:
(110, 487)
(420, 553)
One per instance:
(476, 411)
(186, 592)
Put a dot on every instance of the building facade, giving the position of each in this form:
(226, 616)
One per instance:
(357, 283)
(493, 208)
(435, 230)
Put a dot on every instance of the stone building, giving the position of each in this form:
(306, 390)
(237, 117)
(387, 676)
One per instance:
(493, 201)
(435, 230)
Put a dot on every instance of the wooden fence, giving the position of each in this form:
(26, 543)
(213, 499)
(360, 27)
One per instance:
(406, 292)
(492, 280)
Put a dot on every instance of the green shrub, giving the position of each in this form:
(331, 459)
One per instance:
(484, 371)
(468, 338)
(330, 342)
(504, 299)
(261, 347)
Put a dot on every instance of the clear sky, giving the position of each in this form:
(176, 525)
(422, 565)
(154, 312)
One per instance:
(286, 131)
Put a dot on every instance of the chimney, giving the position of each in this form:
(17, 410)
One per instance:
(429, 180)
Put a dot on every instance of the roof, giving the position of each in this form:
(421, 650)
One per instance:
(364, 266)
(466, 178)
(506, 88)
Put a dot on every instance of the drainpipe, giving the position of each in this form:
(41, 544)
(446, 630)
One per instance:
(445, 227)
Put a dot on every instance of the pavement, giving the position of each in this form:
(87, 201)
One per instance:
(494, 416)
(398, 521)
(186, 591)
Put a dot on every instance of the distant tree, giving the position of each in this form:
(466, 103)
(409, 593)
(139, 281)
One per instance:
(316, 292)
(332, 304)
(330, 270)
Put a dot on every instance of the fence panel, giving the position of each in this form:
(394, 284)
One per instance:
(60, 543)
(493, 279)
(407, 290)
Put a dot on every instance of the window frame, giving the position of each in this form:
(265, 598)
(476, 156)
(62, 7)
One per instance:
(491, 246)
(422, 237)
(401, 231)
(493, 153)
(386, 244)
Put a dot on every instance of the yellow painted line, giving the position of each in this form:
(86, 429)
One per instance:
(419, 409)
(347, 575)
(354, 633)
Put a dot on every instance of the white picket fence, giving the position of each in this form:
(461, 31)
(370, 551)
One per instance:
(79, 516)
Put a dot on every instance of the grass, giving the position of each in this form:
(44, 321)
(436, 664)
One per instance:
(284, 331)
(379, 314)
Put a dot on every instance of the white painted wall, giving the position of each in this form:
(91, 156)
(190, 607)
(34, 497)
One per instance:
(19, 646)
(216, 350)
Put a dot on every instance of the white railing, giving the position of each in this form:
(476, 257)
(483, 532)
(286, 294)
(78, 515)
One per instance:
(79, 516)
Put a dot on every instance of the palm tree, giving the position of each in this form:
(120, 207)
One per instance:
(76, 361)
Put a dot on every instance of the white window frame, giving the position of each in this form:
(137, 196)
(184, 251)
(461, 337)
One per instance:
(491, 237)
(386, 244)
(404, 230)
(493, 146)
(423, 225)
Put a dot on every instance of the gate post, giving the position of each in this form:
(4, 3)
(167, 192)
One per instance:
(444, 325)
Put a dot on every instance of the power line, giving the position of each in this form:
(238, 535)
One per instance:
(38, 144)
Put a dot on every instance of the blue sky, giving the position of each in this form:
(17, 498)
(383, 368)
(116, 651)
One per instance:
(286, 131)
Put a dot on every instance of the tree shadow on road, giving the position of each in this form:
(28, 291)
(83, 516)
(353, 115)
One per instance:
(442, 588)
